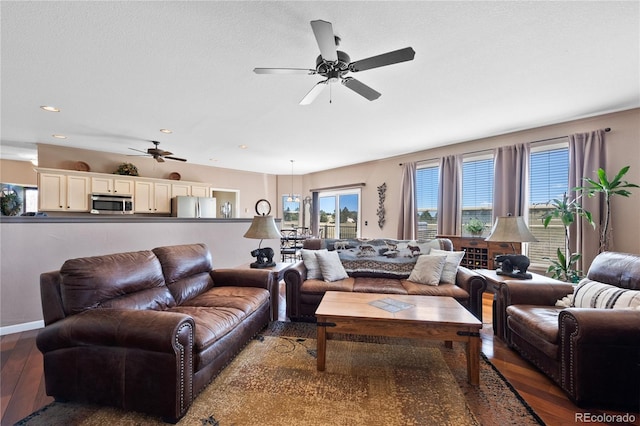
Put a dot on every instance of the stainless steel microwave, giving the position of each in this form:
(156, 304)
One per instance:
(111, 204)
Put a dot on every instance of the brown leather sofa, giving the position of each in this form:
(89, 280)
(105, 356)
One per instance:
(304, 296)
(593, 354)
(147, 330)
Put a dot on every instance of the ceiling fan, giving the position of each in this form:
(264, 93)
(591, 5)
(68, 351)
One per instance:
(334, 64)
(158, 154)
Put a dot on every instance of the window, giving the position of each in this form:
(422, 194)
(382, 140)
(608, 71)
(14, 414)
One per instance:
(548, 179)
(477, 190)
(291, 213)
(427, 183)
(339, 214)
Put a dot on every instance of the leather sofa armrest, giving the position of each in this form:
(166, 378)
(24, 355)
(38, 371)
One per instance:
(242, 278)
(530, 292)
(599, 352)
(52, 309)
(293, 278)
(111, 352)
(474, 284)
(158, 331)
(600, 326)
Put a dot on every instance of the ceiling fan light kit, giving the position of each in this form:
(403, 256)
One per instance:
(334, 64)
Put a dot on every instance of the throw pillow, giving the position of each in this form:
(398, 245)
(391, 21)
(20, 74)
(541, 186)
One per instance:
(330, 265)
(450, 269)
(311, 263)
(594, 294)
(428, 269)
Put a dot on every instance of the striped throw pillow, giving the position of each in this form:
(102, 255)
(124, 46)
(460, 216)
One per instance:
(594, 294)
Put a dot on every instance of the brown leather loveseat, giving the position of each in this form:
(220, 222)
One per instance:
(376, 274)
(593, 353)
(147, 330)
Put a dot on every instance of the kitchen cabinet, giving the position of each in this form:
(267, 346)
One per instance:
(152, 197)
(69, 190)
(200, 191)
(180, 190)
(105, 185)
(60, 192)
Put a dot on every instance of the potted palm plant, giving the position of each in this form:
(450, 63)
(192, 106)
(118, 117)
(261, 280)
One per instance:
(567, 211)
(609, 188)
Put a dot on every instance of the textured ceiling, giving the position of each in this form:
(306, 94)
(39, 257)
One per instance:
(120, 71)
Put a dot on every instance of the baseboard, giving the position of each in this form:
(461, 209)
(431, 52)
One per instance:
(17, 328)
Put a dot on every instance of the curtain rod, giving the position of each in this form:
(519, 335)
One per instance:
(335, 188)
(607, 130)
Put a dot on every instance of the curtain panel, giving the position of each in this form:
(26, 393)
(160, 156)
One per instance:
(586, 155)
(511, 181)
(408, 215)
(450, 196)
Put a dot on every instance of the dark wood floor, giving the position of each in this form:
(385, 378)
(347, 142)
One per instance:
(23, 392)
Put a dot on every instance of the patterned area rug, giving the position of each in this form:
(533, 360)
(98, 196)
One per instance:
(368, 381)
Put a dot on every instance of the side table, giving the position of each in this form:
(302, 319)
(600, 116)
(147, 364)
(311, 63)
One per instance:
(494, 281)
(277, 274)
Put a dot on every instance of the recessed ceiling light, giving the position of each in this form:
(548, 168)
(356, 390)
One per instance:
(243, 146)
(59, 136)
(167, 131)
(50, 108)
(213, 159)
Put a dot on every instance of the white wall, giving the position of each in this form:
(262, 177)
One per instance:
(31, 248)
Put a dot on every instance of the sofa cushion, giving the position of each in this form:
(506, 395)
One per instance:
(130, 280)
(320, 286)
(186, 269)
(311, 263)
(245, 299)
(378, 285)
(539, 320)
(428, 269)
(330, 265)
(450, 269)
(594, 294)
(449, 290)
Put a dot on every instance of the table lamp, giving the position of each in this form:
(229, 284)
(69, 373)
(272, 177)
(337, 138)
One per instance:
(512, 229)
(263, 227)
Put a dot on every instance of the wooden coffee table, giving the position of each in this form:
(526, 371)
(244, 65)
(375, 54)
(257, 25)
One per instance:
(426, 317)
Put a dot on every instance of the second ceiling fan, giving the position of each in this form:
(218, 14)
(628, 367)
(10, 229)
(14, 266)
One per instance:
(335, 64)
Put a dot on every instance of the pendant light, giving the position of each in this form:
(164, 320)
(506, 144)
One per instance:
(292, 196)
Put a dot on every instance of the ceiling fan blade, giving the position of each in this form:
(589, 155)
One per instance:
(388, 58)
(284, 71)
(175, 158)
(323, 31)
(361, 88)
(164, 153)
(313, 93)
(133, 149)
(159, 159)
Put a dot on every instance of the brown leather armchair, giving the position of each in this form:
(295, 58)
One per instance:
(592, 353)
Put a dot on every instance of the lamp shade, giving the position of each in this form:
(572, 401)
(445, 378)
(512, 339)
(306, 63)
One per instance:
(263, 228)
(510, 229)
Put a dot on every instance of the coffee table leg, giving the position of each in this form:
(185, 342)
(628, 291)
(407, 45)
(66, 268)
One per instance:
(473, 360)
(322, 346)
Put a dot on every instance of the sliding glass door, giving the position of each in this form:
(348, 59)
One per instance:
(339, 214)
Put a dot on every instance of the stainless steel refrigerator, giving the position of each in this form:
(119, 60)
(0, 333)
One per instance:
(198, 207)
